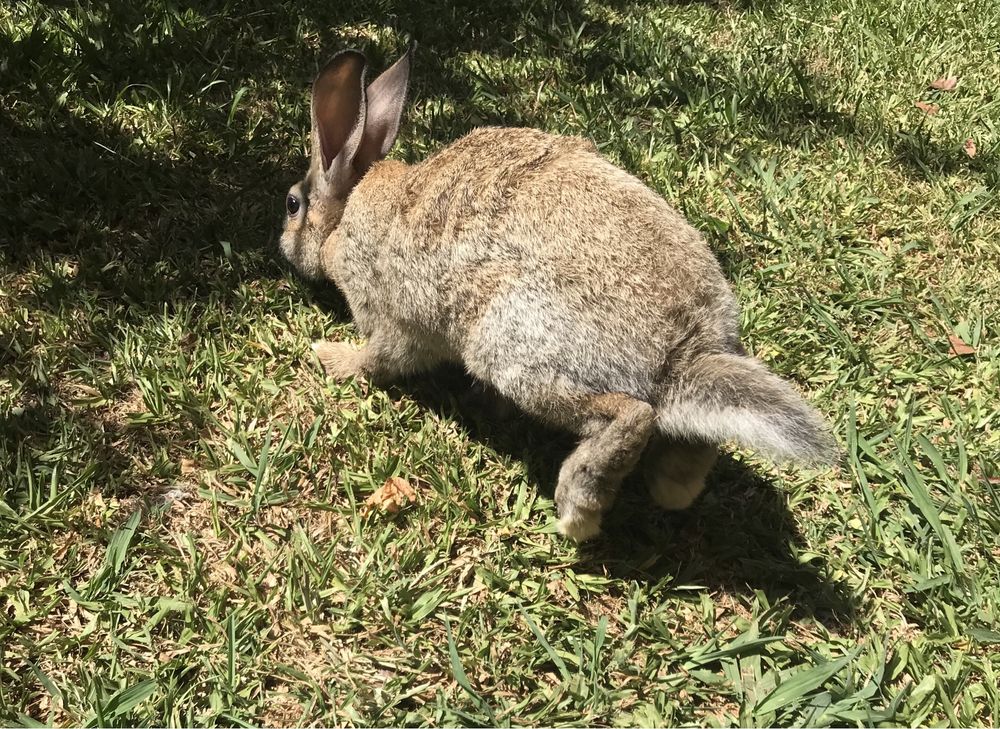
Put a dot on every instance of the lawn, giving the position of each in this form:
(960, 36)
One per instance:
(184, 534)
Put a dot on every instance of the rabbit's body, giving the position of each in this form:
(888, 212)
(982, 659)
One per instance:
(549, 273)
(514, 251)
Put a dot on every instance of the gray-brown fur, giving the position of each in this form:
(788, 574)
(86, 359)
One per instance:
(562, 281)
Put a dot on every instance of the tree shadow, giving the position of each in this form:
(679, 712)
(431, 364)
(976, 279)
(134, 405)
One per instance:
(87, 183)
(27, 429)
(739, 537)
(924, 158)
(78, 189)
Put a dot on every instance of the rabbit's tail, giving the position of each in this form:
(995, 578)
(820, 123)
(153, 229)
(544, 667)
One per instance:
(730, 397)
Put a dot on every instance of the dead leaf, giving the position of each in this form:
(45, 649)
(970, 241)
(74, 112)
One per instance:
(945, 83)
(930, 109)
(188, 466)
(392, 496)
(970, 147)
(958, 347)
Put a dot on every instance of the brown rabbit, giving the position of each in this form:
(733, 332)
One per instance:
(549, 273)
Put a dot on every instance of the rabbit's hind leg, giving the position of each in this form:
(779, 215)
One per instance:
(675, 470)
(614, 429)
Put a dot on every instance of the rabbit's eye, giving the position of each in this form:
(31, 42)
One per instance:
(292, 203)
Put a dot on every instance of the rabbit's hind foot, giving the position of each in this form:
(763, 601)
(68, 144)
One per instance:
(615, 429)
(675, 471)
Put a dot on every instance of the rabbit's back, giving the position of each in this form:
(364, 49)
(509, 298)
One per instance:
(520, 244)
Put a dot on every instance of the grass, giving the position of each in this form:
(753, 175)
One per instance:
(182, 532)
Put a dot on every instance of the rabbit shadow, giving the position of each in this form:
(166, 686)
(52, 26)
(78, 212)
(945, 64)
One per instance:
(740, 537)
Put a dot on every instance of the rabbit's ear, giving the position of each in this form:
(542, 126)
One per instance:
(338, 115)
(386, 97)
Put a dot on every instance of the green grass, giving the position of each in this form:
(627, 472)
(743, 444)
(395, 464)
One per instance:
(182, 538)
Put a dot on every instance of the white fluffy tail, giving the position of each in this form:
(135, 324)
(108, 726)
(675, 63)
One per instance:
(730, 397)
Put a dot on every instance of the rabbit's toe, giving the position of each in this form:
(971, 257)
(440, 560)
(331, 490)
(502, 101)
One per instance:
(579, 524)
(340, 360)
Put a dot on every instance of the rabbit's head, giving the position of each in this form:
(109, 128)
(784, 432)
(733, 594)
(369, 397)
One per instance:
(352, 128)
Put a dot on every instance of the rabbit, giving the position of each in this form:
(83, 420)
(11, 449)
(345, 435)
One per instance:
(552, 275)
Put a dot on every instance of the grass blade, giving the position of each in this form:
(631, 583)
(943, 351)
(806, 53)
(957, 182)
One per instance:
(795, 688)
(119, 544)
(922, 499)
(559, 662)
(128, 698)
(458, 671)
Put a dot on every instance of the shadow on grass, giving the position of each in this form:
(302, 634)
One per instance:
(924, 158)
(85, 183)
(739, 537)
(124, 199)
(91, 440)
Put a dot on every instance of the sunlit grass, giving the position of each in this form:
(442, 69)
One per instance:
(182, 532)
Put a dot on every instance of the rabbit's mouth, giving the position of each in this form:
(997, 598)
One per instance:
(302, 252)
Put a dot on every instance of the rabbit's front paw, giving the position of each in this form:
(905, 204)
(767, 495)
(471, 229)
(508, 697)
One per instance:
(340, 360)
